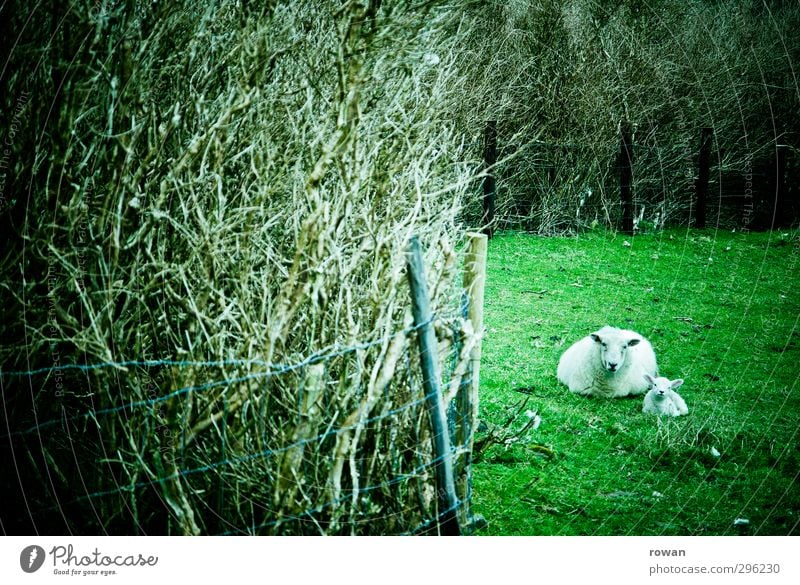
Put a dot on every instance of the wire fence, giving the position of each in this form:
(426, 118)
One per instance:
(259, 448)
(272, 370)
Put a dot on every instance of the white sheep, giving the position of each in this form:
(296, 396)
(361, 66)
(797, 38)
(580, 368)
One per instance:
(610, 363)
(662, 398)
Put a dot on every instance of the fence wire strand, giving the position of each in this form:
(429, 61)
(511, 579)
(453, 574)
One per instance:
(275, 370)
(272, 370)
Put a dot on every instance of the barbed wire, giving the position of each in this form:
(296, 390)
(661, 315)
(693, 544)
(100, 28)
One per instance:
(252, 456)
(320, 355)
(270, 452)
(275, 370)
(310, 512)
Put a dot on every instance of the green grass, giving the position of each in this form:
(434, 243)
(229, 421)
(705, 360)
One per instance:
(721, 310)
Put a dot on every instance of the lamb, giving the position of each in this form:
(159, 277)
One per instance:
(662, 398)
(608, 363)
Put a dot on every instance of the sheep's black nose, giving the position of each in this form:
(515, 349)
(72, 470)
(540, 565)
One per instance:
(612, 367)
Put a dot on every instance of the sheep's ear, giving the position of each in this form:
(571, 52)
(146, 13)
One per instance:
(633, 342)
(649, 379)
(596, 337)
(676, 383)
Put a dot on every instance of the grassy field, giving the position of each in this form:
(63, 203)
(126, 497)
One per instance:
(721, 310)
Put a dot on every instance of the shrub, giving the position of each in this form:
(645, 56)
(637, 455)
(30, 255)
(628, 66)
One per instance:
(221, 191)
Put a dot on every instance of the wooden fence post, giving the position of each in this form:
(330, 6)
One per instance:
(475, 283)
(701, 186)
(420, 307)
(626, 177)
(468, 398)
(489, 159)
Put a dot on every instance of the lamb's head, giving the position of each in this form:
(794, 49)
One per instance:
(661, 387)
(614, 346)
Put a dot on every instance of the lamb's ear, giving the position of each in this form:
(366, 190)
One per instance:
(596, 337)
(676, 383)
(649, 379)
(633, 342)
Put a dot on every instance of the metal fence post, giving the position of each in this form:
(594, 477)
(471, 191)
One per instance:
(420, 306)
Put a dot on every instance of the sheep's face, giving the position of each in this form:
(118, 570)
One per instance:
(661, 387)
(613, 350)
